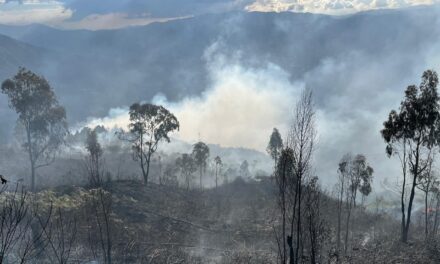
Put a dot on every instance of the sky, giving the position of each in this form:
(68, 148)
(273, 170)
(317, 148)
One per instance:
(113, 14)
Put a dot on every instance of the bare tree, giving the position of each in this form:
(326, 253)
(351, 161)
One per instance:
(425, 183)
(218, 166)
(292, 171)
(60, 235)
(283, 173)
(100, 219)
(316, 226)
(301, 140)
(21, 234)
(343, 177)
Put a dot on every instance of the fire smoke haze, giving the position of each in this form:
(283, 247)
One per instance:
(228, 74)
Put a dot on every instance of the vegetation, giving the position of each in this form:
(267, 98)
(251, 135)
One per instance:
(280, 216)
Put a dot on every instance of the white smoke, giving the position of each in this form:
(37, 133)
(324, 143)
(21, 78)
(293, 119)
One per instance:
(239, 110)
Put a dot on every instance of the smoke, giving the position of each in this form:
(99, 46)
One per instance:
(240, 108)
(353, 92)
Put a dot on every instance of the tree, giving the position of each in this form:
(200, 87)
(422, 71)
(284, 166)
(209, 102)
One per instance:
(187, 167)
(301, 140)
(218, 166)
(149, 124)
(316, 226)
(355, 175)
(275, 145)
(39, 114)
(411, 133)
(362, 177)
(283, 174)
(93, 160)
(244, 169)
(21, 226)
(201, 154)
(61, 234)
(425, 183)
(292, 172)
(343, 176)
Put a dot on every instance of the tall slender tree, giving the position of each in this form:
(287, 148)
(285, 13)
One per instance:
(149, 124)
(218, 166)
(39, 115)
(410, 133)
(301, 141)
(201, 154)
(94, 158)
(275, 145)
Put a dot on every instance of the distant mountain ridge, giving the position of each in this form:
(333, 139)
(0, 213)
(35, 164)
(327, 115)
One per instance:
(93, 71)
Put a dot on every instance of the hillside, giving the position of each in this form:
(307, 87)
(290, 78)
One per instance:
(173, 58)
(231, 224)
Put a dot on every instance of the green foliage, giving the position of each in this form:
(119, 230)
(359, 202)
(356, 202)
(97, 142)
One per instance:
(275, 145)
(201, 154)
(39, 113)
(149, 124)
(418, 118)
(187, 167)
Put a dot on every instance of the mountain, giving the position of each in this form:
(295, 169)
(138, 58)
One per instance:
(14, 54)
(93, 71)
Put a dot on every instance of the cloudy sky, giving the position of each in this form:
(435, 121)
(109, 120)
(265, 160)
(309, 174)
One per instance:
(111, 14)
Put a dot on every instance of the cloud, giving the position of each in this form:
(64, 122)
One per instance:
(33, 11)
(332, 7)
(112, 21)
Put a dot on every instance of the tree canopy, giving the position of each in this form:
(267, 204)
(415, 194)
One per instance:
(39, 113)
(149, 124)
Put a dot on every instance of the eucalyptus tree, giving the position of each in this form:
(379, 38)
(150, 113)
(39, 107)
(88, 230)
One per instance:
(149, 124)
(293, 170)
(218, 166)
(355, 175)
(275, 145)
(187, 167)
(411, 133)
(200, 154)
(301, 140)
(94, 158)
(40, 116)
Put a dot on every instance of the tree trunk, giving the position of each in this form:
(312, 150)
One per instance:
(411, 197)
(144, 173)
(33, 176)
(338, 242)
(298, 224)
(347, 227)
(216, 184)
(31, 157)
(402, 197)
(434, 228)
(201, 173)
(426, 212)
(148, 168)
